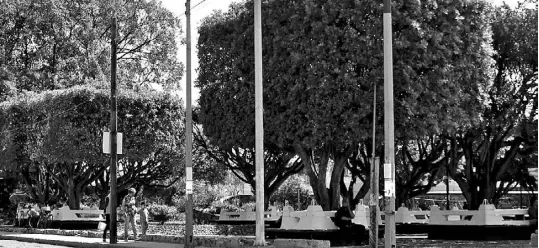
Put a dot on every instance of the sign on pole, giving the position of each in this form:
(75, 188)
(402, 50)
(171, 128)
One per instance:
(106, 143)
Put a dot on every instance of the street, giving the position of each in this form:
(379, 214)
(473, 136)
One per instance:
(19, 244)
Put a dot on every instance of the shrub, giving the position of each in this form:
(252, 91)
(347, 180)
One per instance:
(162, 213)
(249, 205)
(217, 206)
(203, 197)
(288, 191)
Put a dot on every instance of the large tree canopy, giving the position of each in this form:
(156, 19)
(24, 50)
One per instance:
(321, 60)
(60, 132)
(47, 45)
(493, 155)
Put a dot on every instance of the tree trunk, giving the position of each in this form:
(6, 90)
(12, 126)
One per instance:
(73, 197)
(334, 186)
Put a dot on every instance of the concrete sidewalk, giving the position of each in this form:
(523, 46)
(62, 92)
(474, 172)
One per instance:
(85, 242)
(88, 242)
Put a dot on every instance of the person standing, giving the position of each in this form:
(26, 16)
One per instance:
(107, 217)
(26, 216)
(33, 217)
(130, 209)
(143, 214)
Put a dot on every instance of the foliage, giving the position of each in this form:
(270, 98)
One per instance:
(419, 165)
(294, 187)
(278, 164)
(50, 44)
(499, 149)
(321, 60)
(218, 206)
(249, 205)
(204, 195)
(60, 132)
(161, 213)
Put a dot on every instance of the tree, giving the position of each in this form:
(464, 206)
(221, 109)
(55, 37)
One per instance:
(63, 135)
(419, 164)
(57, 44)
(279, 165)
(505, 140)
(15, 153)
(321, 60)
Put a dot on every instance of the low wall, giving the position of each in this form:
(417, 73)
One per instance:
(202, 240)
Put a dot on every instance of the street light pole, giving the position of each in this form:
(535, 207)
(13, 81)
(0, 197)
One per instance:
(389, 139)
(188, 137)
(259, 128)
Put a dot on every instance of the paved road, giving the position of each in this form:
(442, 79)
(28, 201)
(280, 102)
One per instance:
(19, 244)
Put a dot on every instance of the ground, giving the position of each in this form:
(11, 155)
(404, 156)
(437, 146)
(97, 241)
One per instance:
(19, 244)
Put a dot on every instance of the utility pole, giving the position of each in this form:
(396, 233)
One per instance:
(188, 137)
(259, 128)
(375, 174)
(113, 133)
(389, 139)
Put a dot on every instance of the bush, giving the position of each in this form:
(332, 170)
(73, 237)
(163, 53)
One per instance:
(218, 206)
(288, 191)
(162, 213)
(249, 205)
(203, 197)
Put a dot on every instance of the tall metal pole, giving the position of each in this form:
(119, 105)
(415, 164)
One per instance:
(375, 172)
(389, 139)
(188, 138)
(113, 132)
(259, 128)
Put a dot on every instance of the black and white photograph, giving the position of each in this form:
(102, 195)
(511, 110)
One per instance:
(269, 123)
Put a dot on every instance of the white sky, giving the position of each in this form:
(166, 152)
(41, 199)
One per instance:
(205, 8)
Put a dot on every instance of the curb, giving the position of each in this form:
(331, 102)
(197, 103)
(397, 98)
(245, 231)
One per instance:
(62, 242)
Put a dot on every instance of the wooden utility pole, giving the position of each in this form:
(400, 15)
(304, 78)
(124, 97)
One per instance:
(113, 133)
(389, 139)
(188, 137)
(259, 128)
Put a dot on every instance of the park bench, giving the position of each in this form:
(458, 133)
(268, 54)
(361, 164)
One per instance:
(314, 223)
(64, 217)
(486, 223)
(248, 216)
(410, 221)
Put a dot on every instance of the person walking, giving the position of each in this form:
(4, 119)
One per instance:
(107, 217)
(130, 209)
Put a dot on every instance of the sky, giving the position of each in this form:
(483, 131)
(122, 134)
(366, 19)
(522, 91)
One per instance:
(201, 9)
(205, 8)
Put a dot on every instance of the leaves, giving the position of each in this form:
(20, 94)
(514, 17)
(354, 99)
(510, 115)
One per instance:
(61, 131)
(321, 60)
(56, 44)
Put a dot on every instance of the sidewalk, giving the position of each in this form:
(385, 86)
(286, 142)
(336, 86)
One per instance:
(85, 242)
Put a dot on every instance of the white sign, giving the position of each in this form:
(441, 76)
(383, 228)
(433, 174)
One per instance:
(247, 189)
(389, 188)
(106, 143)
(189, 187)
(387, 171)
(189, 173)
